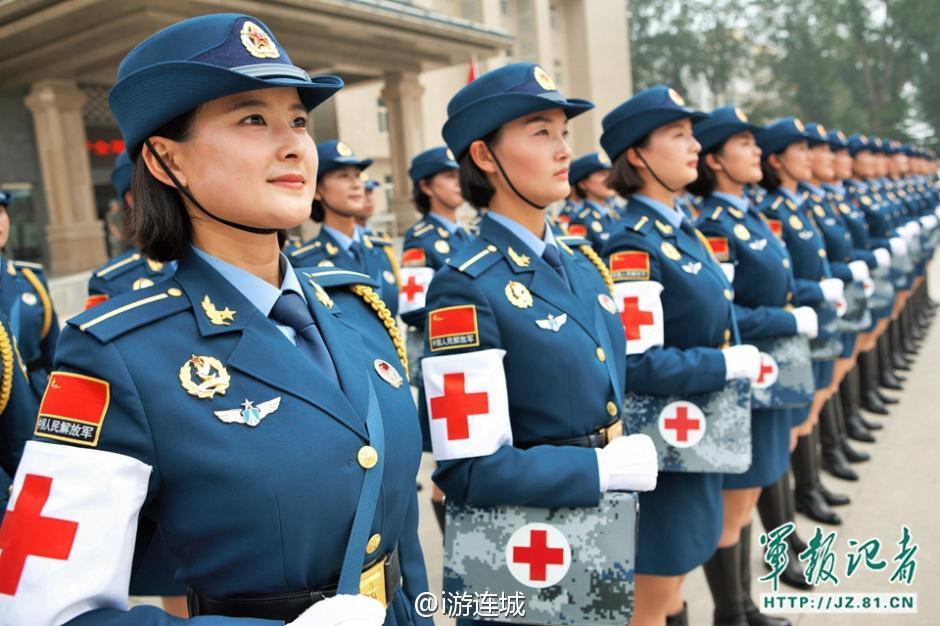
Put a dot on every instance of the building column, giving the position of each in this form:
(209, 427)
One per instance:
(402, 94)
(75, 235)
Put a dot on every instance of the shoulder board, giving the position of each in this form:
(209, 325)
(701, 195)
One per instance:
(473, 260)
(379, 241)
(424, 230)
(129, 311)
(572, 240)
(776, 203)
(716, 214)
(112, 270)
(36, 267)
(329, 277)
(584, 213)
(310, 247)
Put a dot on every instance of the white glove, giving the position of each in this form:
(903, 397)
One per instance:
(833, 289)
(914, 227)
(882, 257)
(343, 610)
(928, 222)
(936, 211)
(859, 271)
(728, 269)
(807, 322)
(628, 464)
(742, 362)
(898, 246)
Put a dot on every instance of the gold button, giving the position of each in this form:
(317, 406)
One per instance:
(173, 291)
(727, 334)
(367, 457)
(728, 294)
(373, 544)
(601, 356)
(822, 253)
(611, 409)
(786, 262)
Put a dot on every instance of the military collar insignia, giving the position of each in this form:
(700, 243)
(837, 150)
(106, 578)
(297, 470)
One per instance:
(249, 414)
(257, 42)
(141, 283)
(331, 249)
(518, 295)
(321, 294)
(388, 373)
(11, 269)
(155, 266)
(665, 229)
(522, 260)
(735, 213)
(552, 323)
(217, 317)
(211, 374)
(443, 232)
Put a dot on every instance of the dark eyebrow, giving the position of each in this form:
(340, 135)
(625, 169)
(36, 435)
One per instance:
(254, 103)
(538, 118)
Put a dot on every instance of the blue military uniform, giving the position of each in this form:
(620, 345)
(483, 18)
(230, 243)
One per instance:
(680, 521)
(186, 403)
(359, 253)
(763, 293)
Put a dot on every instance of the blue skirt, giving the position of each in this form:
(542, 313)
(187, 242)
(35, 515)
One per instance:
(770, 450)
(848, 345)
(680, 523)
(822, 373)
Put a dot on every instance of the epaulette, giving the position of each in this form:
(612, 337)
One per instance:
(776, 203)
(584, 214)
(716, 214)
(330, 277)
(121, 266)
(378, 241)
(36, 267)
(638, 224)
(305, 249)
(423, 230)
(572, 240)
(473, 260)
(112, 318)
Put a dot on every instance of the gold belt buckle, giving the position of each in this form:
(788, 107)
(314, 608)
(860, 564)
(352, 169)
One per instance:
(613, 431)
(372, 581)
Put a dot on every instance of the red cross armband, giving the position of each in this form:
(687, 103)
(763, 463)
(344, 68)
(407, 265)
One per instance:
(641, 313)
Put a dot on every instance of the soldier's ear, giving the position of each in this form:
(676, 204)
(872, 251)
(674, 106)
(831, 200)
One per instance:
(167, 150)
(713, 163)
(774, 160)
(482, 157)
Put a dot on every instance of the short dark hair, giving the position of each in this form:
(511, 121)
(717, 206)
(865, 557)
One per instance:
(421, 200)
(159, 223)
(474, 186)
(317, 212)
(623, 177)
(770, 180)
(576, 188)
(704, 185)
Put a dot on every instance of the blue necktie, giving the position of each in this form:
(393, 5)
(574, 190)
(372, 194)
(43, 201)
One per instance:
(355, 251)
(461, 235)
(291, 310)
(551, 256)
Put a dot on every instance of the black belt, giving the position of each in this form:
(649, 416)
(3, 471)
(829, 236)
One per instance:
(598, 439)
(288, 606)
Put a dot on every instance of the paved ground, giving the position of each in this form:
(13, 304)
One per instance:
(899, 486)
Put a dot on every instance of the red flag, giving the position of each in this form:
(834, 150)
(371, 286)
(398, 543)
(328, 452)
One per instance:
(472, 71)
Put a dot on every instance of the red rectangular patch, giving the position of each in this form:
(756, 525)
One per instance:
(73, 408)
(630, 265)
(453, 327)
(413, 257)
(578, 230)
(95, 300)
(719, 246)
(776, 226)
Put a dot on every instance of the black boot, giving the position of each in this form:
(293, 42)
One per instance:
(772, 509)
(833, 457)
(679, 619)
(438, 513)
(892, 337)
(868, 370)
(831, 498)
(789, 509)
(809, 500)
(886, 376)
(851, 400)
(907, 343)
(853, 456)
(751, 612)
(723, 573)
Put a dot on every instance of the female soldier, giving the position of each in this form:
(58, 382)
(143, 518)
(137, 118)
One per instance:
(655, 155)
(512, 297)
(339, 200)
(588, 178)
(25, 301)
(759, 266)
(233, 406)
(836, 451)
(785, 161)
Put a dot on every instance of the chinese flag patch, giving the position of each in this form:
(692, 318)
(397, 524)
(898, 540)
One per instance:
(776, 226)
(73, 408)
(453, 327)
(630, 265)
(413, 257)
(95, 299)
(719, 246)
(578, 230)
